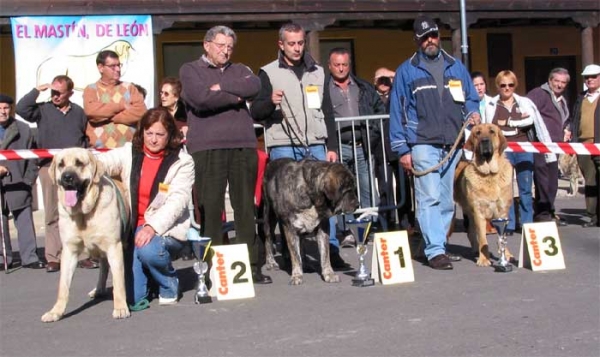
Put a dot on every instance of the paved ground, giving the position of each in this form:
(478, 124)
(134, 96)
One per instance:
(469, 311)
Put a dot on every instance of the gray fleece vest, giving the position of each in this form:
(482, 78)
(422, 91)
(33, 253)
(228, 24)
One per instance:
(308, 124)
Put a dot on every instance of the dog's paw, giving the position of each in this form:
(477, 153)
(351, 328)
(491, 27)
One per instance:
(483, 261)
(98, 294)
(51, 317)
(121, 313)
(331, 278)
(272, 265)
(296, 280)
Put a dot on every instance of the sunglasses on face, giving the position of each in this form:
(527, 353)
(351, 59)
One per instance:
(387, 81)
(590, 77)
(166, 94)
(55, 93)
(510, 85)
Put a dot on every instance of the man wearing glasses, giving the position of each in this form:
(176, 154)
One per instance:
(113, 107)
(586, 129)
(431, 98)
(60, 124)
(221, 139)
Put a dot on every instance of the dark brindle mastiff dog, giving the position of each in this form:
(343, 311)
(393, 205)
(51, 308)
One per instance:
(302, 196)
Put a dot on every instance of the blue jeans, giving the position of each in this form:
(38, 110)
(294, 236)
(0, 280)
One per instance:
(523, 164)
(298, 153)
(154, 260)
(364, 184)
(434, 195)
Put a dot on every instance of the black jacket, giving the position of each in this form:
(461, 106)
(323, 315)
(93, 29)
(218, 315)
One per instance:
(576, 121)
(369, 103)
(16, 187)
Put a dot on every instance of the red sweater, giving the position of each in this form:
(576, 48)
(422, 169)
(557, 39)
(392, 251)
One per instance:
(150, 167)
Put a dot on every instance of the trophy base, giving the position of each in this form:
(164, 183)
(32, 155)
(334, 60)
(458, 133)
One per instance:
(503, 268)
(361, 283)
(202, 299)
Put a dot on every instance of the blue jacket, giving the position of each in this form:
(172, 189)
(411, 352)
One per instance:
(418, 115)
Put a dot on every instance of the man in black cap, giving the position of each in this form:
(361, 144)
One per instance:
(432, 96)
(17, 178)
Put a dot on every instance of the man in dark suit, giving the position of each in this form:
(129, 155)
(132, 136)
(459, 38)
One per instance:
(17, 179)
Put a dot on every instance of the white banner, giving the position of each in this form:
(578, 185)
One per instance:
(48, 46)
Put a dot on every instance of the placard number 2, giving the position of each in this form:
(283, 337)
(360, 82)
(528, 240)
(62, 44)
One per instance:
(237, 279)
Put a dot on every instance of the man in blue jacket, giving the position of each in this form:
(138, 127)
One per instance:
(432, 96)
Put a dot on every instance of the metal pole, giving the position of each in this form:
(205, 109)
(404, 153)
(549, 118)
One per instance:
(2, 232)
(463, 35)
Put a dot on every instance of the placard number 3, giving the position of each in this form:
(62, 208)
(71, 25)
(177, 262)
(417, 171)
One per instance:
(551, 245)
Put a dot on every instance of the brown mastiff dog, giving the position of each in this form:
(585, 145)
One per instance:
(483, 186)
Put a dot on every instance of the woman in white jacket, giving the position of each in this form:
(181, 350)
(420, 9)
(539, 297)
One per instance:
(516, 115)
(159, 177)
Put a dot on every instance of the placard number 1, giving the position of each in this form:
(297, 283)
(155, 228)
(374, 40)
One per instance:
(400, 253)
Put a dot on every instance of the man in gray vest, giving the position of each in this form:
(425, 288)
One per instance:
(296, 110)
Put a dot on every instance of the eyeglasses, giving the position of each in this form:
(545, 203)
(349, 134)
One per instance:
(166, 94)
(222, 46)
(504, 85)
(114, 66)
(590, 77)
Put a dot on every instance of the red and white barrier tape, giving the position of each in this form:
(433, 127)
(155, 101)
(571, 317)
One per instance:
(36, 153)
(555, 148)
(540, 148)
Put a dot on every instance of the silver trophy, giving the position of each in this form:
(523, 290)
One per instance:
(360, 229)
(200, 246)
(503, 265)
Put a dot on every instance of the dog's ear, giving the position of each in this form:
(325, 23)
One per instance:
(471, 141)
(52, 169)
(502, 141)
(97, 168)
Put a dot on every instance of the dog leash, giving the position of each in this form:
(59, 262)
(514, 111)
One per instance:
(121, 204)
(447, 157)
(304, 144)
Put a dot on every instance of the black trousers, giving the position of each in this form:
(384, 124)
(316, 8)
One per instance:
(545, 178)
(406, 213)
(214, 170)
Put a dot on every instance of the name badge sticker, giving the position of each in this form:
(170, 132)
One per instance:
(161, 196)
(312, 97)
(456, 90)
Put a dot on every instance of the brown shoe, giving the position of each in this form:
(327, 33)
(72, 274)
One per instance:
(440, 262)
(52, 267)
(88, 264)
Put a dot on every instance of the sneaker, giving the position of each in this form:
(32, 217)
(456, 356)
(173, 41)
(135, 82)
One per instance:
(167, 301)
(348, 242)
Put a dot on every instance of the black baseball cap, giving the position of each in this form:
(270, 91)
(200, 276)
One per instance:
(424, 25)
